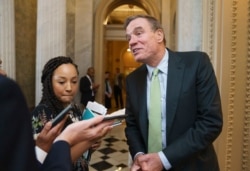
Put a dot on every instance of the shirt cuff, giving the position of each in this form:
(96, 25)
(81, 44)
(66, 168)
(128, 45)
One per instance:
(164, 161)
(137, 154)
(40, 154)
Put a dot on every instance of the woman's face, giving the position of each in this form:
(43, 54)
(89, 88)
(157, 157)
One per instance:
(65, 83)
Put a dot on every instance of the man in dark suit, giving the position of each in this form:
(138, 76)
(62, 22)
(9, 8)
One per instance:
(108, 91)
(118, 86)
(87, 87)
(190, 106)
(17, 147)
(17, 150)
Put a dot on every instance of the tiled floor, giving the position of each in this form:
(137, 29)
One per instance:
(113, 154)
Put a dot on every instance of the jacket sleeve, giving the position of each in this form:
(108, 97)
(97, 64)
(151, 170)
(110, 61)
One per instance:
(58, 158)
(17, 150)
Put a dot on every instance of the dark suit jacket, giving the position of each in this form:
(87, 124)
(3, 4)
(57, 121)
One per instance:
(194, 116)
(17, 147)
(86, 91)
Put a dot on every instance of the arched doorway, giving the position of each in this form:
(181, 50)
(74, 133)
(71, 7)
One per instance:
(105, 8)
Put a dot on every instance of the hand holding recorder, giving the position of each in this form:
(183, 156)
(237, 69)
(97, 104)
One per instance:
(62, 114)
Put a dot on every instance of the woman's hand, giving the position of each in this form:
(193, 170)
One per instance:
(48, 134)
(96, 145)
(84, 134)
(91, 130)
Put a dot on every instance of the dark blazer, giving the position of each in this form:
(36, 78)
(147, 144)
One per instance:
(194, 116)
(17, 147)
(86, 91)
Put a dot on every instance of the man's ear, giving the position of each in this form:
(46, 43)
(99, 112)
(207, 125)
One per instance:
(159, 35)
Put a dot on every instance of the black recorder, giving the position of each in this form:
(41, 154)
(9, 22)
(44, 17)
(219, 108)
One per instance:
(62, 114)
(112, 117)
(117, 118)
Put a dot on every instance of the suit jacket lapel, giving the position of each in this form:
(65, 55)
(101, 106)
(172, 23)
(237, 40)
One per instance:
(142, 92)
(175, 77)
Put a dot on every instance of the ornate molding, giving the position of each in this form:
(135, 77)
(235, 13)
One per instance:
(230, 124)
(245, 166)
(211, 29)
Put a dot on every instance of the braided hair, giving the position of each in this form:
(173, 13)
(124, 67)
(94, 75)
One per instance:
(48, 96)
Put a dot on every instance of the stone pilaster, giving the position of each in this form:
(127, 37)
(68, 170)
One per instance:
(189, 25)
(84, 36)
(51, 35)
(7, 37)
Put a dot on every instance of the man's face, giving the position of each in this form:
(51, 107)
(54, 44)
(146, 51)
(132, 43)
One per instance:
(91, 72)
(106, 75)
(143, 41)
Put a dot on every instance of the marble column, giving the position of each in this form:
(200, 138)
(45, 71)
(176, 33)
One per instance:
(84, 37)
(189, 25)
(51, 35)
(7, 37)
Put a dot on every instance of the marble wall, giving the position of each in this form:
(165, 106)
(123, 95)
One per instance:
(70, 28)
(84, 26)
(25, 45)
(189, 25)
(7, 37)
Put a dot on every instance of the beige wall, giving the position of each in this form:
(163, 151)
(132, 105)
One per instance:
(233, 75)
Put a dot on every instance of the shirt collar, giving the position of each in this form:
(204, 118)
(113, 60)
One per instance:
(162, 66)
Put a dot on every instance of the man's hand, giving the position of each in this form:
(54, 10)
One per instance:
(95, 87)
(136, 166)
(147, 162)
